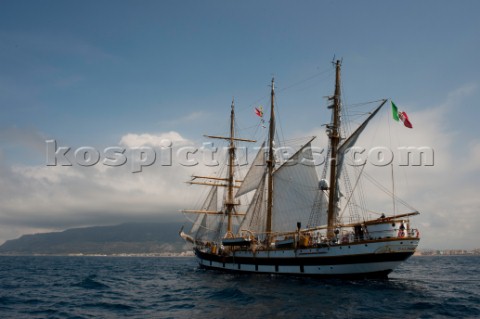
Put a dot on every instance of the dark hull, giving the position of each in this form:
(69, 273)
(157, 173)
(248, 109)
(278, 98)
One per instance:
(370, 275)
(353, 261)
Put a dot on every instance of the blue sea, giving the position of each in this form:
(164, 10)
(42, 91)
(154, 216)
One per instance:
(133, 287)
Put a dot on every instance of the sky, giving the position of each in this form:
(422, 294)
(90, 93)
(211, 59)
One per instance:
(126, 74)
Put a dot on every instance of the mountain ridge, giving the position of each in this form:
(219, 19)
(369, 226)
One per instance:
(127, 238)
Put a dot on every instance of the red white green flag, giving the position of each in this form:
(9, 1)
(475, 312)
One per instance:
(402, 116)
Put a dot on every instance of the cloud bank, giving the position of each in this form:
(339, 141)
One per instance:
(43, 198)
(38, 198)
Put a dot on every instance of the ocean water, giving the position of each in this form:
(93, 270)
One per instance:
(132, 287)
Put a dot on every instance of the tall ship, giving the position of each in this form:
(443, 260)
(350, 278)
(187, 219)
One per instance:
(293, 220)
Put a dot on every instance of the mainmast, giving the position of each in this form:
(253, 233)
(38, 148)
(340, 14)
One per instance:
(334, 129)
(270, 164)
(230, 205)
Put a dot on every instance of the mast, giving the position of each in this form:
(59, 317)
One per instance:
(230, 205)
(270, 164)
(228, 181)
(334, 141)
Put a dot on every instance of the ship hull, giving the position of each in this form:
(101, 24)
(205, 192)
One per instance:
(372, 259)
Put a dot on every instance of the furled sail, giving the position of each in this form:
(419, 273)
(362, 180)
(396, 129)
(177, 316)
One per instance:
(255, 174)
(295, 190)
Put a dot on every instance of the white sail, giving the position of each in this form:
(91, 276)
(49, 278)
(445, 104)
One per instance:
(319, 212)
(211, 227)
(269, 239)
(254, 175)
(197, 224)
(210, 204)
(295, 191)
(201, 232)
(254, 219)
(352, 139)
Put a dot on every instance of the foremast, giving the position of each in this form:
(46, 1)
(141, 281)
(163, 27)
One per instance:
(334, 130)
(230, 202)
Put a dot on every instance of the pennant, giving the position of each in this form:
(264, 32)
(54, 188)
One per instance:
(259, 111)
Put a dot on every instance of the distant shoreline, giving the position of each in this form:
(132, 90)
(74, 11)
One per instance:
(440, 255)
(188, 254)
(168, 255)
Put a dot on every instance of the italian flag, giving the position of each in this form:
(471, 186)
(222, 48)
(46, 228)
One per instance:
(402, 116)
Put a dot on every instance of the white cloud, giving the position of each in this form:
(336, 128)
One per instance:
(45, 174)
(45, 198)
(446, 193)
(471, 161)
(168, 139)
